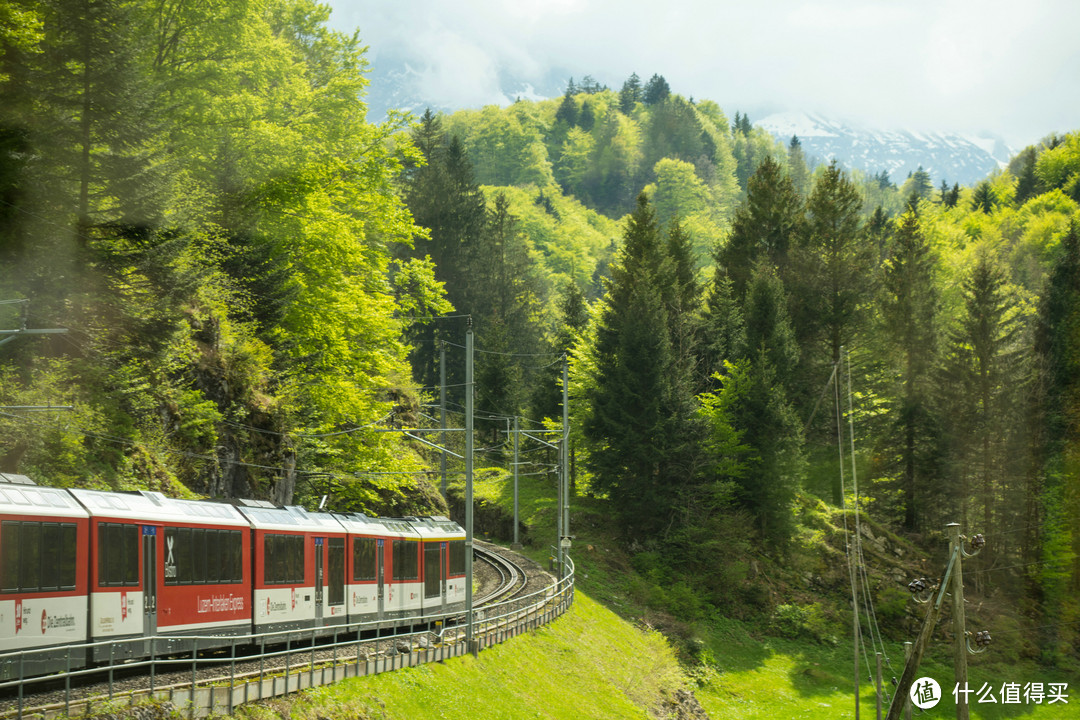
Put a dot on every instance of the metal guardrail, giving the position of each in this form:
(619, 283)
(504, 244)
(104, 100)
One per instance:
(201, 697)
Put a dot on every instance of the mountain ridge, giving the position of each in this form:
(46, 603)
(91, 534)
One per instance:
(953, 157)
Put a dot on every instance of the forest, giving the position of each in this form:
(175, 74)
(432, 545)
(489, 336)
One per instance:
(256, 280)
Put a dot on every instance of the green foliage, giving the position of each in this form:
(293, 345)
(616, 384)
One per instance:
(909, 313)
(755, 443)
(1059, 167)
(802, 621)
(227, 277)
(764, 228)
(640, 419)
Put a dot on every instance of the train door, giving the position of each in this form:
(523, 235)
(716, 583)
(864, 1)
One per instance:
(379, 575)
(444, 551)
(432, 572)
(150, 579)
(335, 574)
(318, 580)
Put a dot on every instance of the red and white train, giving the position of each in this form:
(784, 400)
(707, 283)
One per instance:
(137, 572)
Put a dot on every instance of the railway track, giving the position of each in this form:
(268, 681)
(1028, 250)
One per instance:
(513, 578)
(501, 574)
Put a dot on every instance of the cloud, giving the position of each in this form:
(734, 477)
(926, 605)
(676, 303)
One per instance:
(1008, 67)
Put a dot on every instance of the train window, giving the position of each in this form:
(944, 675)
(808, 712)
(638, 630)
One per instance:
(335, 571)
(457, 557)
(131, 554)
(432, 570)
(68, 562)
(37, 557)
(295, 545)
(118, 555)
(9, 556)
(185, 567)
(235, 555)
(363, 559)
(283, 559)
(30, 556)
(50, 556)
(214, 571)
(203, 556)
(406, 560)
(198, 556)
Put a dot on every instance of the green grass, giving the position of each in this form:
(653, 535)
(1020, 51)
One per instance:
(751, 677)
(587, 664)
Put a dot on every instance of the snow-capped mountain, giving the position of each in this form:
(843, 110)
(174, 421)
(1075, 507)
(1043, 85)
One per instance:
(965, 159)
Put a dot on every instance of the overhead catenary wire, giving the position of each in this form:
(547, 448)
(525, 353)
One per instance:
(508, 354)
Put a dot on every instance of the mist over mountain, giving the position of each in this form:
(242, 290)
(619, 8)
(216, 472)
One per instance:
(965, 159)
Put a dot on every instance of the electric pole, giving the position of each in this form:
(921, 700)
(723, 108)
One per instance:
(442, 417)
(470, 641)
(517, 540)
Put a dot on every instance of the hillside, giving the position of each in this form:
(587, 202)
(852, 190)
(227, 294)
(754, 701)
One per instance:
(587, 664)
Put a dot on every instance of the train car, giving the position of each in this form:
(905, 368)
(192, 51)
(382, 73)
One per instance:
(369, 563)
(299, 559)
(404, 587)
(43, 595)
(443, 567)
(161, 566)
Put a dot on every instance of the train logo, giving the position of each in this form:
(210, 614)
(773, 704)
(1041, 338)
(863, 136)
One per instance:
(170, 562)
(44, 621)
(123, 606)
(18, 615)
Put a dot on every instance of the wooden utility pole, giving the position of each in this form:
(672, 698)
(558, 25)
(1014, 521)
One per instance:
(906, 700)
(959, 622)
(878, 677)
(953, 580)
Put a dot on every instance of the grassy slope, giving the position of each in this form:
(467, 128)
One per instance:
(588, 664)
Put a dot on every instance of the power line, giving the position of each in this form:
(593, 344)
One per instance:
(506, 354)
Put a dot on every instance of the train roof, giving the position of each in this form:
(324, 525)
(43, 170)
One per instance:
(361, 524)
(26, 498)
(146, 505)
(265, 516)
(436, 526)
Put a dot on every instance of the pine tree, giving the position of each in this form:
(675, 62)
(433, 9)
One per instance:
(909, 308)
(878, 230)
(656, 90)
(765, 226)
(832, 275)
(1057, 353)
(587, 118)
(630, 94)
(763, 450)
(984, 382)
(636, 421)
(723, 331)
(567, 112)
(983, 198)
(770, 335)
(800, 173)
(917, 187)
(573, 317)
(443, 196)
(1027, 183)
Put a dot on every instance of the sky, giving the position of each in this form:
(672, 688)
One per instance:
(1011, 69)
